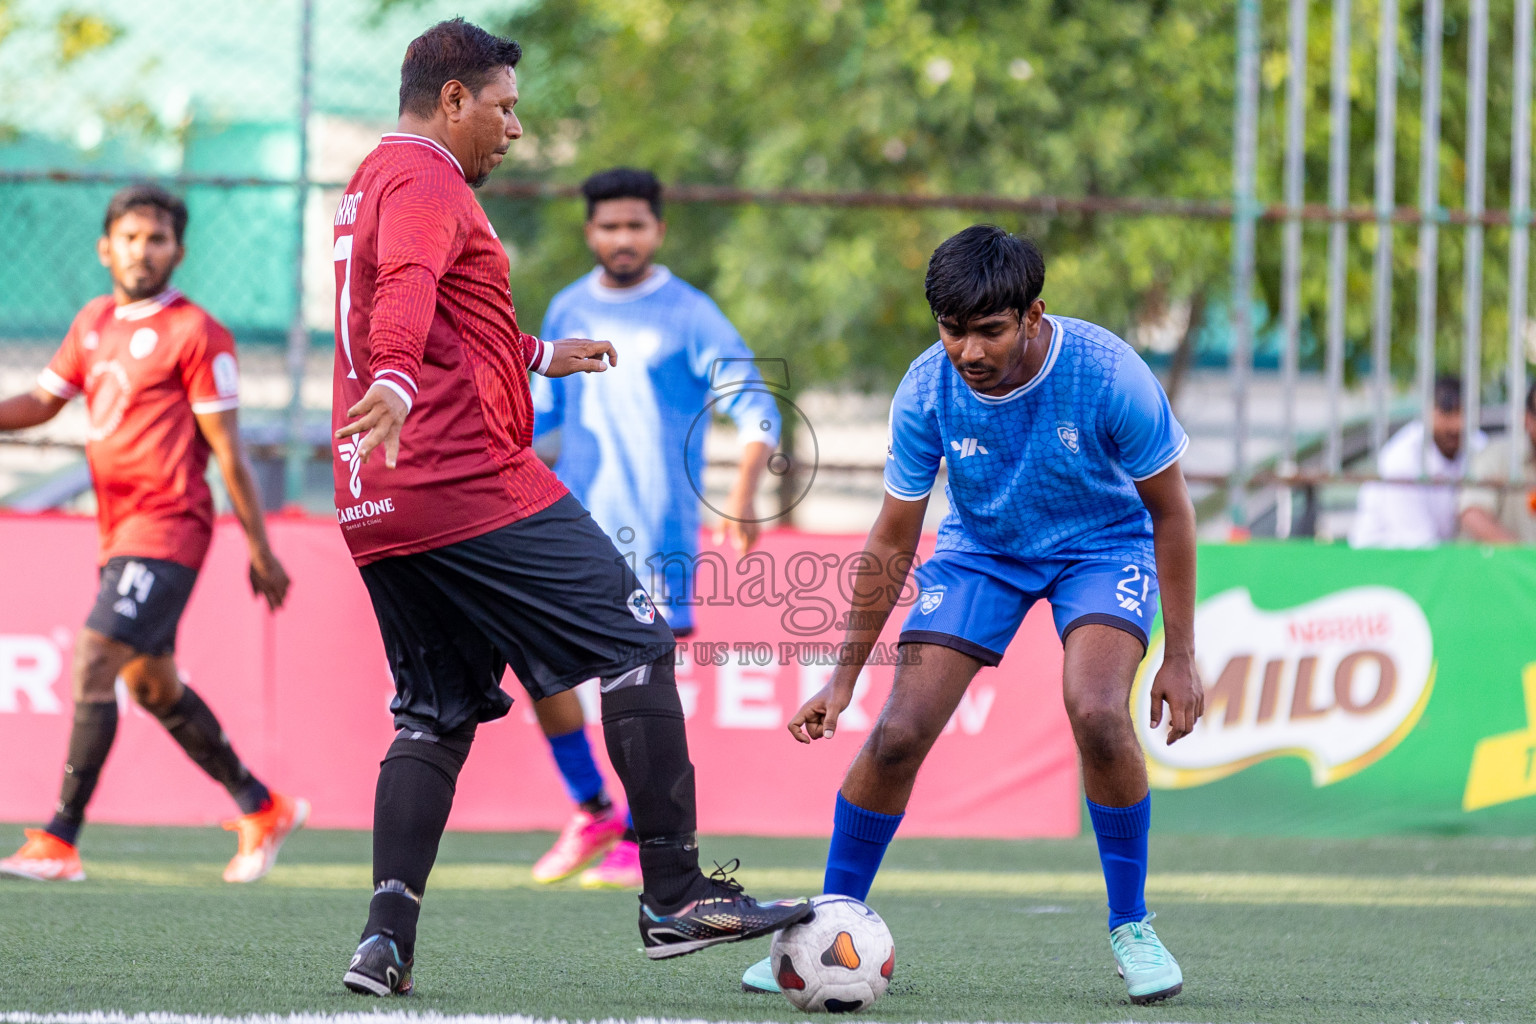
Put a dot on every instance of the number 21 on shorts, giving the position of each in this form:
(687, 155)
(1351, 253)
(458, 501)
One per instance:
(1132, 590)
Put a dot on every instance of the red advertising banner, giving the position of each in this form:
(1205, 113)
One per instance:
(304, 696)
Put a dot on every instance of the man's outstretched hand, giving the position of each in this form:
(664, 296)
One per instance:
(580, 355)
(381, 413)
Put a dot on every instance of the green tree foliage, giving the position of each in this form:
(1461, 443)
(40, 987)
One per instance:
(80, 33)
(75, 34)
(1030, 97)
(1016, 98)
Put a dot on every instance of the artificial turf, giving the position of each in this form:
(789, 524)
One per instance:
(1423, 929)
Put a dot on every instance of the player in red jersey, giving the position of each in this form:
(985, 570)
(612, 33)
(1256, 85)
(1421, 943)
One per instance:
(162, 387)
(475, 556)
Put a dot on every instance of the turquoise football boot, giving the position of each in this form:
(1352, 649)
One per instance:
(759, 977)
(1150, 971)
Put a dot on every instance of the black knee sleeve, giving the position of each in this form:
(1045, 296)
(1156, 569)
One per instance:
(647, 691)
(444, 753)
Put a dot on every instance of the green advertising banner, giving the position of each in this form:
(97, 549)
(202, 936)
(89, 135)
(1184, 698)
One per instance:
(1353, 693)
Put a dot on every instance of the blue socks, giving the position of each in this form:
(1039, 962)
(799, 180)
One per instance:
(859, 839)
(573, 756)
(1122, 836)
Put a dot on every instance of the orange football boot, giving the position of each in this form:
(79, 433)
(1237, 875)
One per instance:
(44, 857)
(261, 836)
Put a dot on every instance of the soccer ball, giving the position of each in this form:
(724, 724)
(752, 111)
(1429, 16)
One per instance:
(838, 960)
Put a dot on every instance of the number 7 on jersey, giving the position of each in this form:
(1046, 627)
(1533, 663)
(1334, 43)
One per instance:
(342, 253)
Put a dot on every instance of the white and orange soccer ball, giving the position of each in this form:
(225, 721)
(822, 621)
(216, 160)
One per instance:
(838, 960)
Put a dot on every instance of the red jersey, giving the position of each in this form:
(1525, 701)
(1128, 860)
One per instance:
(424, 307)
(146, 369)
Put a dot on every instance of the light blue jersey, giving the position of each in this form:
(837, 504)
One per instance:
(628, 434)
(1048, 471)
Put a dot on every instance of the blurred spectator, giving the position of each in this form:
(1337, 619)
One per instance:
(1508, 516)
(1414, 515)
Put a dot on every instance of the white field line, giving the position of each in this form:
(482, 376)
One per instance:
(382, 1017)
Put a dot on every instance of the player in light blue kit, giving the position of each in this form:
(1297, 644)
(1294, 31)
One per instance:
(626, 442)
(1064, 484)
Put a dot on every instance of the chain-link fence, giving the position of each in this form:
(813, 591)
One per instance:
(258, 110)
(213, 100)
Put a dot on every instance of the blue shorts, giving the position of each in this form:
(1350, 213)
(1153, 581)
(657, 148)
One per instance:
(975, 602)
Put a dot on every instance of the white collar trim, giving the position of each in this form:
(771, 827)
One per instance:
(146, 307)
(422, 140)
(660, 275)
(1024, 389)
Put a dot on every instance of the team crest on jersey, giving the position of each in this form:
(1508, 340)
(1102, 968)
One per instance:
(1068, 434)
(641, 608)
(930, 600)
(143, 342)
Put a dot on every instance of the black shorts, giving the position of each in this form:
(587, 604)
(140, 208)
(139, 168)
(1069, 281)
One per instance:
(140, 602)
(549, 596)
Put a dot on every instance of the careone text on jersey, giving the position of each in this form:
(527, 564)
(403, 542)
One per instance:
(365, 510)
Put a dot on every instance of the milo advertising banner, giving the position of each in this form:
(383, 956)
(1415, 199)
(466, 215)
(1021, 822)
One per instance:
(1355, 693)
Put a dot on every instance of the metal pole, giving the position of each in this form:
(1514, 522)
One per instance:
(1338, 238)
(1429, 210)
(298, 333)
(1386, 170)
(1472, 279)
(1520, 233)
(1290, 274)
(1244, 217)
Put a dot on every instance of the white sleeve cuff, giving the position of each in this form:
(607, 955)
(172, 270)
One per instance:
(56, 386)
(397, 389)
(745, 437)
(1175, 457)
(904, 496)
(215, 405)
(546, 356)
(403, 376)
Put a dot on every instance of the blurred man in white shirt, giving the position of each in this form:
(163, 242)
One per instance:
(1416, 515)
(1492, 516)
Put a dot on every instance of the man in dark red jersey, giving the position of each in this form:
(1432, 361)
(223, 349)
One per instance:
(162, 388)
(474, 554)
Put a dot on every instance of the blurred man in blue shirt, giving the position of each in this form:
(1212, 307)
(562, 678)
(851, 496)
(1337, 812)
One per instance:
(627, 439)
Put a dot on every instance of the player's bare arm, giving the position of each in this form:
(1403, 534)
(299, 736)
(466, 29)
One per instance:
(222, 431)
(739, 523)
(30, 409)
(1173, 539)
(890, 551)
